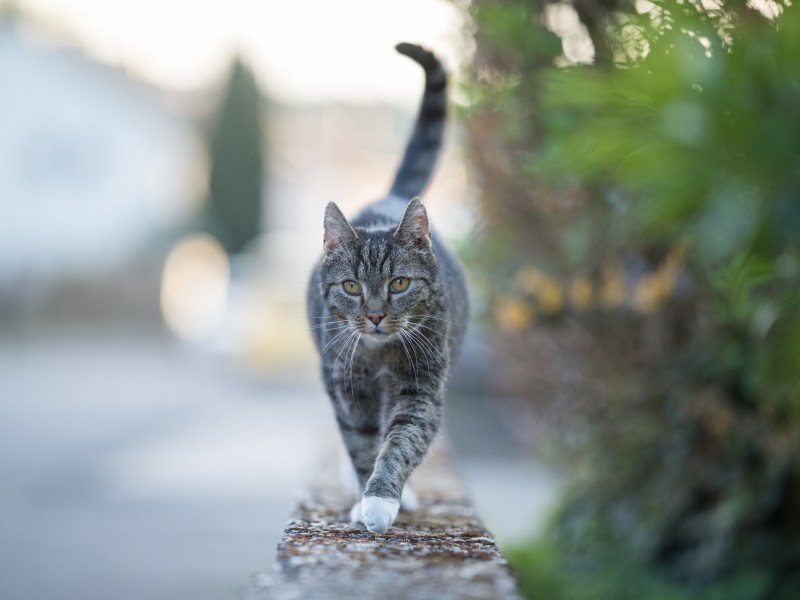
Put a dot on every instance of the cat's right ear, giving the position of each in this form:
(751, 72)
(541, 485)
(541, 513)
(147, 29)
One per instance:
(337, 230)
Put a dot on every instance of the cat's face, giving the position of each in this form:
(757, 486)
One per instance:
(379, 281)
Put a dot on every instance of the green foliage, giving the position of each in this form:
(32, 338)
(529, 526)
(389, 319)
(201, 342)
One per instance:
(542, 574)
(237, 162)
(704, 139)
(691, 455)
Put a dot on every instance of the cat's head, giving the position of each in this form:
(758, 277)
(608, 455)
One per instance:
(380, 280)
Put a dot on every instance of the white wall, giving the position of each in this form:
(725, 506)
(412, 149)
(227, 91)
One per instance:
(91, 164)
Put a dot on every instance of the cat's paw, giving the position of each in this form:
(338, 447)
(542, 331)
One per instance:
(408, 501)
(378, 514)
(355, 512)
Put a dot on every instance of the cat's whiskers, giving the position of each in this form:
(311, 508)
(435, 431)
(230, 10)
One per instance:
(413, 345)
(352, 356)
(442, 295)
(328, 326)
(327, 321)
(442, 333)
(422, 318)
(423, 341)
(410, 337)
(436, 318)
(344, 345)
(438, 353)
(408, 355)
(332, 341)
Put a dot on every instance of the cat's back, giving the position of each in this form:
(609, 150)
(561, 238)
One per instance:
(385, 212)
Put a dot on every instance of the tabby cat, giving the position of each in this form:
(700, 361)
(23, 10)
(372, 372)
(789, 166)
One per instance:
(387, 305)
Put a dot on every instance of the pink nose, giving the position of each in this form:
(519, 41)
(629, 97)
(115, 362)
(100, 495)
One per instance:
(375, 316)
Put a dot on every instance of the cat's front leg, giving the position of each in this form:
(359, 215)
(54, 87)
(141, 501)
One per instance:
(408, 503)
(362, 441)
(413, 423)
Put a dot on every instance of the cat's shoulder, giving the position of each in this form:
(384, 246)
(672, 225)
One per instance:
(384, 213)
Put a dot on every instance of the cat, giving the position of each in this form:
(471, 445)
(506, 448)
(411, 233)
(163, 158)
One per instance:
(387, 305)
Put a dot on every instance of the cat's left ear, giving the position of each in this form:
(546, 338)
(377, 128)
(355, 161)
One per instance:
(414, 227)
(337, 230)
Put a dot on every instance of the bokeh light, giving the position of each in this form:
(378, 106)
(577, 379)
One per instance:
(194, 286)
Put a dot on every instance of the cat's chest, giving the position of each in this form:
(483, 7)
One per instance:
(379, 360)
(373, 367)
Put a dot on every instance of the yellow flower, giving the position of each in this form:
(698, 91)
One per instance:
(613, 291)
(653, 290)
(512, 314)
(529, 279)
(580, 293)
(545, 289)
(677, 254)
(649, 293)
(550, 296)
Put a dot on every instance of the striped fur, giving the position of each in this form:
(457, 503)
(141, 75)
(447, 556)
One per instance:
(423, 148)
(386, 353)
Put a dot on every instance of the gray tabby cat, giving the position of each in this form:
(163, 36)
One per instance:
(388, 306)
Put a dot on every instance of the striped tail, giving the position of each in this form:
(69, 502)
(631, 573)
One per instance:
(423, 148)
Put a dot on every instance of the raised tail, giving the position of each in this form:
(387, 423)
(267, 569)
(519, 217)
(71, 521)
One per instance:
(423, 148)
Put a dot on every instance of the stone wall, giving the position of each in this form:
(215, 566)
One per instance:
(440, 552)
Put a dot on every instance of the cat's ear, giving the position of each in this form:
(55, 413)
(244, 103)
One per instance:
(337, 230)
(414, 227)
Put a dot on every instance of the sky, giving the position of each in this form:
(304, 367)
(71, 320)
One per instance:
(301, 50)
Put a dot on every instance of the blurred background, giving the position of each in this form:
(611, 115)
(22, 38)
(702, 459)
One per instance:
(164, 168)
(620, 180)
(639, 166)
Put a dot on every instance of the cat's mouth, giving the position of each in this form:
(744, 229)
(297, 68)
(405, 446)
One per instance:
(377, 338)
(378, 333)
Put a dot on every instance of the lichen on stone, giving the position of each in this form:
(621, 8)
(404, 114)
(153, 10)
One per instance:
(441, 551)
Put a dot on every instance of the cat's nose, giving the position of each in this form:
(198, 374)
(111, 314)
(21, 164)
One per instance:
(375, 316)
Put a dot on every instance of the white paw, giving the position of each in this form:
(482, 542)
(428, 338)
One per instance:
(408, 501)
(355, 512)
(378, 514)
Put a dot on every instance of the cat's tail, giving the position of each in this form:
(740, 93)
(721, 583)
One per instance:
(423, 148)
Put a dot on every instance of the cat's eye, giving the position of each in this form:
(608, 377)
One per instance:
(400, 284)
(352, 287)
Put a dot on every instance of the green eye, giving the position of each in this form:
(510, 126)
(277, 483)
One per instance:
(352, 287)
(400, 284)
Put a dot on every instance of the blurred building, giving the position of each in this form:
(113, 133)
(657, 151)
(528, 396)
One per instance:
(101, 175)
(93, 165)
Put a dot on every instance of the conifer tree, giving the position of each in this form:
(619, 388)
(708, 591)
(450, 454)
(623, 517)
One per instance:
(237, 163)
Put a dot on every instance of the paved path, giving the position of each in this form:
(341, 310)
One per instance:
(134, 469)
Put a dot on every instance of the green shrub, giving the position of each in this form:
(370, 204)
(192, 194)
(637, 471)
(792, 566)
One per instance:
(669, 182)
